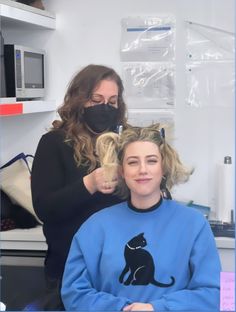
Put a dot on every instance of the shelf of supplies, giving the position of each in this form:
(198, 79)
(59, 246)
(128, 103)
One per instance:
(14, 13)
(26, 107)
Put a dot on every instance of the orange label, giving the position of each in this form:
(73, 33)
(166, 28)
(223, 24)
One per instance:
(11, 109)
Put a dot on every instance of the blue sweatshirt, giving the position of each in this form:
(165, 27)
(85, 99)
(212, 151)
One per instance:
(165, 256)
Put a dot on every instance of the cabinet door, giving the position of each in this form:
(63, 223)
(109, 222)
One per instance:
(22, 281)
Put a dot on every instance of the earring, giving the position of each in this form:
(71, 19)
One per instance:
(164, 190)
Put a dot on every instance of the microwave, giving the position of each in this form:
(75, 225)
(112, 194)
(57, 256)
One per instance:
(24, 72)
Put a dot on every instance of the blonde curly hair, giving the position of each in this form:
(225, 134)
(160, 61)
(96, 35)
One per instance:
(111, 148)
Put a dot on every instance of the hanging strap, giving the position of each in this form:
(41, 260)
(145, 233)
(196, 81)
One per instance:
(18, 157)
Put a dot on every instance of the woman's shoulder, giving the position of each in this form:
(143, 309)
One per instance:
(111, 211)
(54, 134)
(53, 140)
(184, 211)
(106, 214)
(53, 137)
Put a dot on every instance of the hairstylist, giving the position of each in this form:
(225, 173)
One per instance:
(67, 185)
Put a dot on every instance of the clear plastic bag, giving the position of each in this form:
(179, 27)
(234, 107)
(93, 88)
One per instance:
(165, 117)
(149, 84)
(208, 43)
(210, 84)
(148, 39)
(210, 68)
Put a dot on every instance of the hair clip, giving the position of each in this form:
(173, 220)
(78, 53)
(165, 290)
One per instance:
(162, 133)
(119, 129)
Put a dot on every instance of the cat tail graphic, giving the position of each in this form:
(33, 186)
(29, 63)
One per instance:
(156, 283)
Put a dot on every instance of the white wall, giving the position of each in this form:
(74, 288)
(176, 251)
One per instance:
(89, 32)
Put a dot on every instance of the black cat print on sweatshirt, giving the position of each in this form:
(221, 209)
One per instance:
(140, 264)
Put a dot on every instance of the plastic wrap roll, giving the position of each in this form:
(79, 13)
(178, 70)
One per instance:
(225, 191)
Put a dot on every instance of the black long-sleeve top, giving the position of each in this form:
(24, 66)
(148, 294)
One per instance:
(60, 198)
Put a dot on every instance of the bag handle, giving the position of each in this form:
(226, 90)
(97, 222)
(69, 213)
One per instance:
(18, 157)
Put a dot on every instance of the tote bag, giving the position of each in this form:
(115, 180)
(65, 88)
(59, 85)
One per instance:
(15, 181)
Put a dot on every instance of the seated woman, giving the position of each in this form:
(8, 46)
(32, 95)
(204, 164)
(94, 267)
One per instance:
(147, 253)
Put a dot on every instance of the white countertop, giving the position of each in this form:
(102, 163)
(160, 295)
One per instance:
(23, 239)
(225, 242)
(33, 239)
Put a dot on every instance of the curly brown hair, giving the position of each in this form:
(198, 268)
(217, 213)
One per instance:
(71, 112)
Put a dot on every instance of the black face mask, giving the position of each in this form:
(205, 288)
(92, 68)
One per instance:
(101, 117)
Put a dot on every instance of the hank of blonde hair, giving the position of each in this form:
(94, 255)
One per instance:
(106, 150)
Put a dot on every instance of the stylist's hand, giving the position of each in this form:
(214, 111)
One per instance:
(138, 306)
(96, 182)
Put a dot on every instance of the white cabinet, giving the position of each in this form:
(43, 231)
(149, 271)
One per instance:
(23, 123)
(22, 24)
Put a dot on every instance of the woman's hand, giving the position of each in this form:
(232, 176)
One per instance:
(95, 181)
(138, 306)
